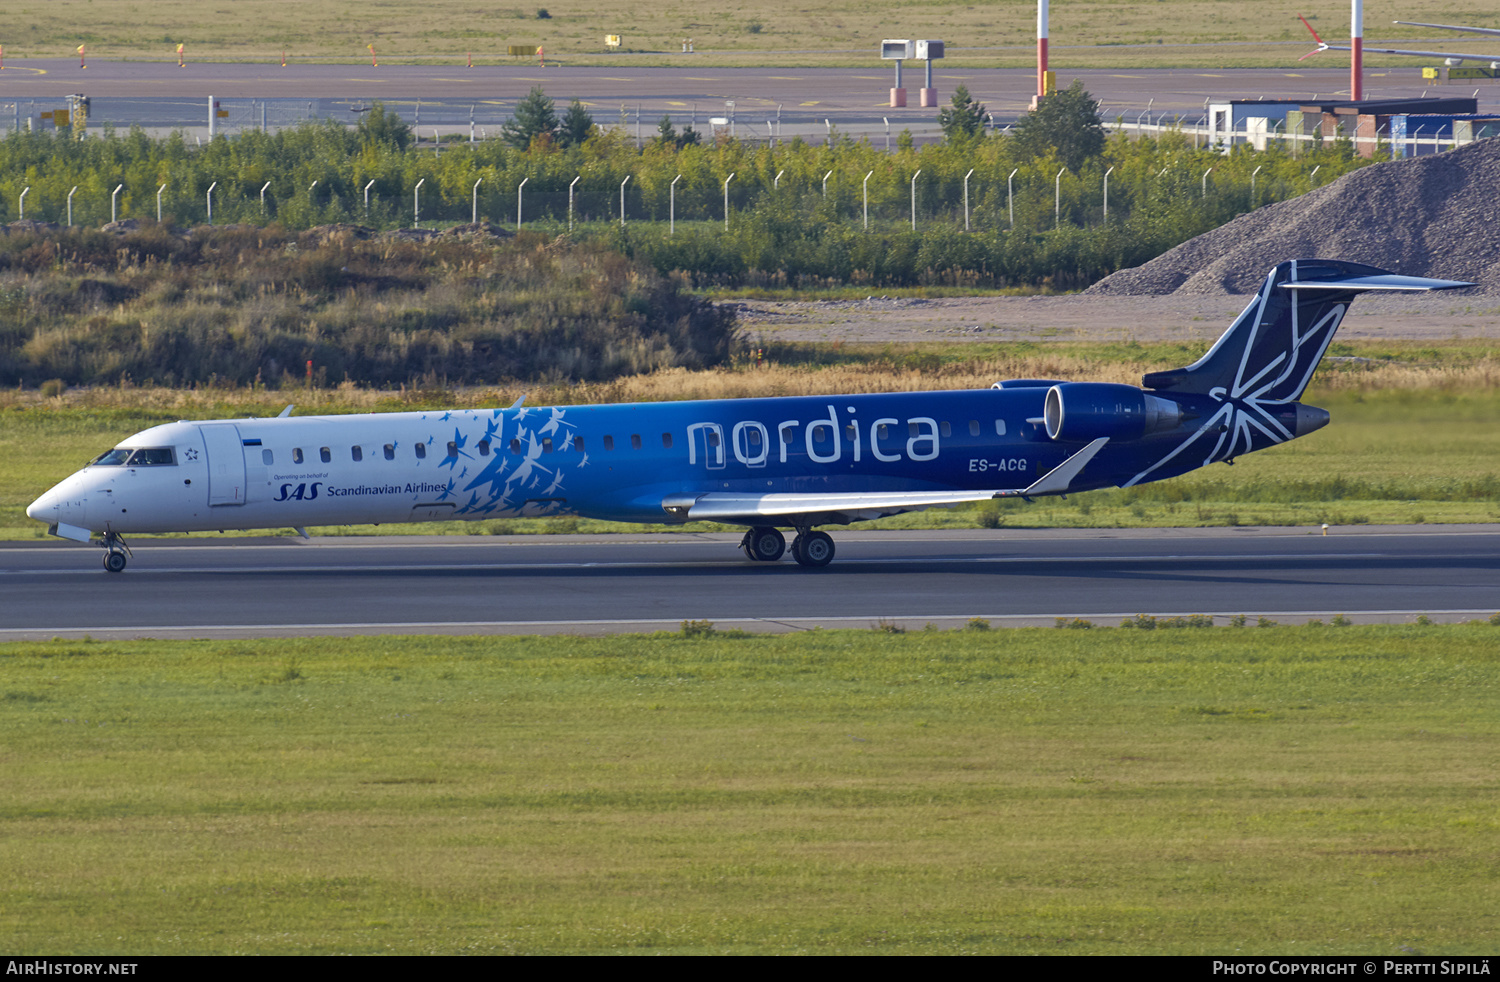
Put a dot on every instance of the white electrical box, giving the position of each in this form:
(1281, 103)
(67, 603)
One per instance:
(892, 50)
(929, 50)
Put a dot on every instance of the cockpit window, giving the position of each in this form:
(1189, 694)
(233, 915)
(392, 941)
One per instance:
(145, 457)
(152, 457)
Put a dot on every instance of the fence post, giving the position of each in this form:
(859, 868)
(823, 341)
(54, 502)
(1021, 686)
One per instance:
(726, 200)
(367, 198)
(474, 216)
(777, 182)
(867, 199)
(416, 202)
(1313, 175)
(263, 188)
(1252, 186)
(1057, 198)
(209, 196)
(70, 206)
(622, 199)
(158, 205)
(1010, 197)
(672, 207)
(519, 191)
(570, 200)
(115, 192)
(1205, 182)
(966, 197)
(1106, 194)
(23, 201)
(914, 198)
(825, 183)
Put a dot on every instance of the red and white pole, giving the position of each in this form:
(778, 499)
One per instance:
(1357, 50)
(1041, 47)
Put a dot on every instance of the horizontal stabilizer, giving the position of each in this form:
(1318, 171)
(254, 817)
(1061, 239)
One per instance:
(1386, 281)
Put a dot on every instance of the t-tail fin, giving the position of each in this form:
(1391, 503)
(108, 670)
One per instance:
(1272, 349)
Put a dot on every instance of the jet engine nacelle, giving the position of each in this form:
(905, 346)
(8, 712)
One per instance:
(1078, 412)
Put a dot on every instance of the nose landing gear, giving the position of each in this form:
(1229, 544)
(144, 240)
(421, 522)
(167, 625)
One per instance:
(115, 552)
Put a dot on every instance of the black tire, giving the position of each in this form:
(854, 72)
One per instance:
(765, 544)
(814, 549)
(114, 561)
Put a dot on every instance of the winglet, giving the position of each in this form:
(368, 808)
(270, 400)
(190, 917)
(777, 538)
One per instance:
(285, 412)
(1056, 480)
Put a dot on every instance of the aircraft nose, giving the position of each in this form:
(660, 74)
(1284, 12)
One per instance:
(44, 509)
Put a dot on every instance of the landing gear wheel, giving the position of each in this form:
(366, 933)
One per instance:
(813, 549)
(764, 544)
(114, 561)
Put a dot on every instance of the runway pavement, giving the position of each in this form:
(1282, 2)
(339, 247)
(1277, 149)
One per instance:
(211, 587)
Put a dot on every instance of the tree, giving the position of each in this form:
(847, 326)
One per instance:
(534, 117)
(577, 125)
(1065, 122)
(964, 119)
(667, 135)
(380, 126)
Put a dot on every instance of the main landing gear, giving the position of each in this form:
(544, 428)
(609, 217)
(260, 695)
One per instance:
(764, 544)
(115, 553)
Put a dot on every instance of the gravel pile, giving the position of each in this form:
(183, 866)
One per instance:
(1428, 216)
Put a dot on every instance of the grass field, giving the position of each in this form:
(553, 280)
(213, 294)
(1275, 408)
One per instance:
(1414, 438)
(1088, 33)
(1295, 790)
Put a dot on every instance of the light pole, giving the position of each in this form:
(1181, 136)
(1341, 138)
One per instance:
(1010, 198)
(622, 199)
(519, 190)
(867, 199)
(672, 206)
(474, 207)
(914, 198)
(416, 202)
(115, 193)
(966, 197)
(726, 201)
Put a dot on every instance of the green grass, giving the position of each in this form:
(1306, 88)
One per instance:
(1291, 790)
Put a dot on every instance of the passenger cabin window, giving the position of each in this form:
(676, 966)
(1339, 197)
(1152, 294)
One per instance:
(546, 444)
(325, 455)
(267, 458)
(390, 451)
(666, 440)
(578, 444)
(483, 447)
(153, 457)
(515, 445)
(609, 442)
(973, 427)
(356, 453)
(883, 431)
(999, 427)
(945, 429)
(296, 455)
(421, 451)
(635, 441)
(452, 449)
